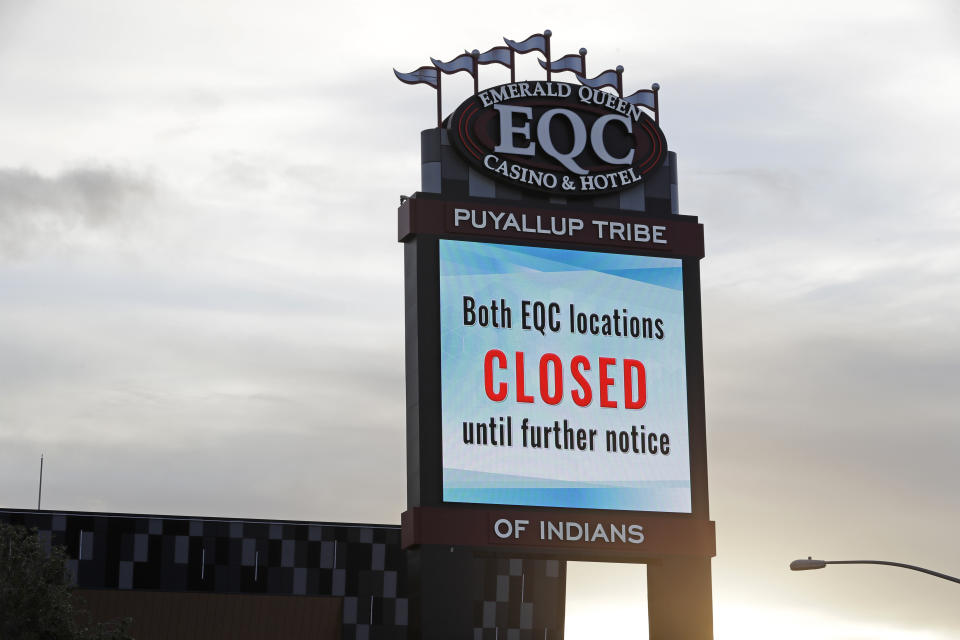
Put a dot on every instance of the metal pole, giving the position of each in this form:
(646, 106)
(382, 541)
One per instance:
(439, 100)
(40, 488)
(475, 54)
(656, 101)
(897, 564)
(546, 41)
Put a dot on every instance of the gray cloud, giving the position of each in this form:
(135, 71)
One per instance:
(242, 353)
(37, 210)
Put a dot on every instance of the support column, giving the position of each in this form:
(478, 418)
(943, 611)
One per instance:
(680, 599)
(441, 589)
(457, 594)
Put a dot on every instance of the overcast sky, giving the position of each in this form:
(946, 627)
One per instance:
(201, 288)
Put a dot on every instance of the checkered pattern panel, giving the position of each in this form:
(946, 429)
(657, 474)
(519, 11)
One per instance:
(444, 171)
(363, 564)
(519, 599)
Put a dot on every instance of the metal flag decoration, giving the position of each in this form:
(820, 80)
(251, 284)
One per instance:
(643, 98)
(649, 98)
(537, 42)
(498, 55)
(464, 62)
(609, 78)
(576, 62)
(425, 75)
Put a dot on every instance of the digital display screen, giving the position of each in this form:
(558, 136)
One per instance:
(563, 378)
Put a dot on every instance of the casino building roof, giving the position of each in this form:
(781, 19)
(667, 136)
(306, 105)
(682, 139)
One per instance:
(210, 578)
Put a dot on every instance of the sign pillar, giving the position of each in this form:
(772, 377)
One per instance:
(554, 358)
(680, 599)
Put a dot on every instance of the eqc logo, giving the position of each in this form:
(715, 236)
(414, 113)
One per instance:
(556, 137)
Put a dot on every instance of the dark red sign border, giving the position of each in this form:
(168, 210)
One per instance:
(676, 236)
(661, 534)
(422, 225)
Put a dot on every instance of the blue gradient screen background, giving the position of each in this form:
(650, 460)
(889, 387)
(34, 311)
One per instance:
(595, 283)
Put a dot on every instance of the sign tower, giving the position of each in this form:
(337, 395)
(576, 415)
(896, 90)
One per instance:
(554, 360)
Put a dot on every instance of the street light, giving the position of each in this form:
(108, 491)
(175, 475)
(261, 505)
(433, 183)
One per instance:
(809, 563)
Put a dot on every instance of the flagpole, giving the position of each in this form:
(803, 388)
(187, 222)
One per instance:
(656, 102)
(40, 489)
(476, 71)
(620, 80)
(512, 60)
(546, 38)
(583, 62)
(439, 99)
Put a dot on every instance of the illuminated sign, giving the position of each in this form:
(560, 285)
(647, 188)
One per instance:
(563, 378)
(557, 137)
(553, 321)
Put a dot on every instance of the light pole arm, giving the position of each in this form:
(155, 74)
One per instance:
(810, 563)
(896, 564)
